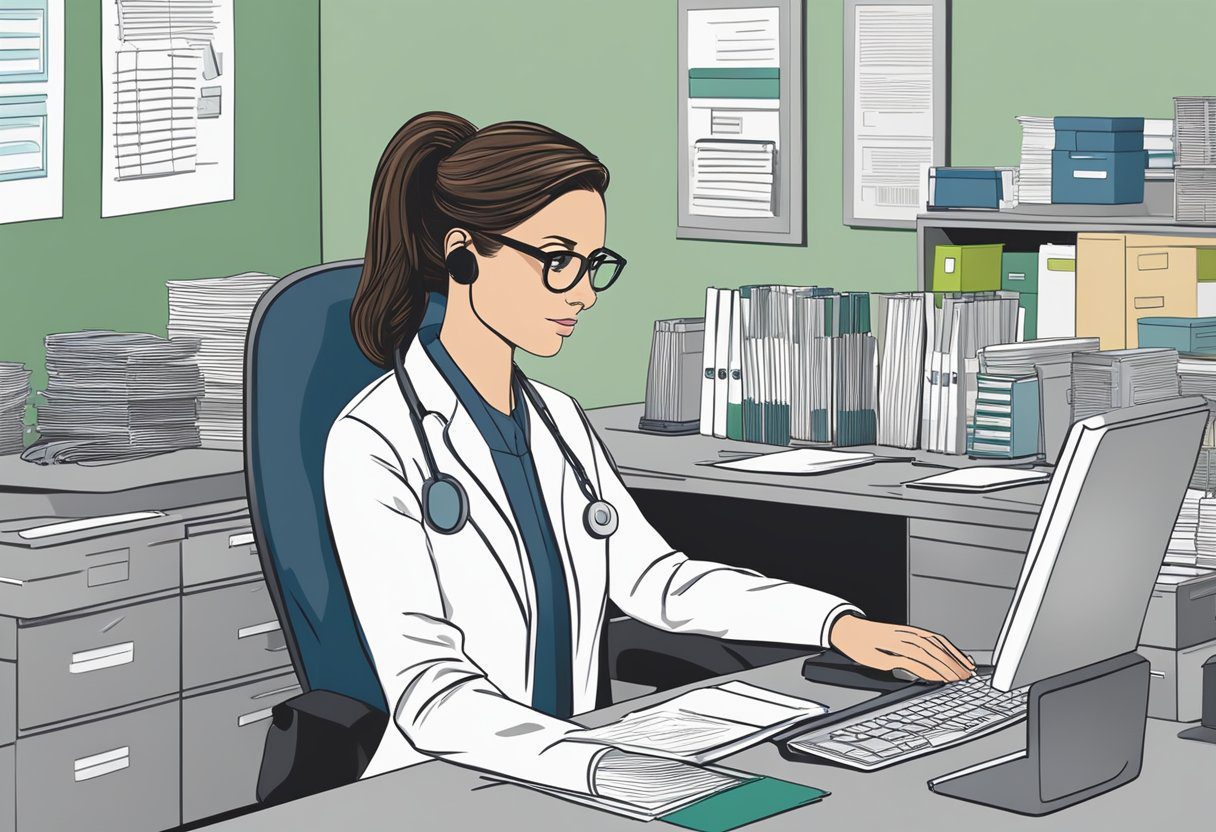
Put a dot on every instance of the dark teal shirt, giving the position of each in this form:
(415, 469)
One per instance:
(507, 437)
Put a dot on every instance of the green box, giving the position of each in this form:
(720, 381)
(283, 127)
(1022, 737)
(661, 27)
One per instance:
(1030, 302)
(1020, 271)
(1205, 263)
(967, 268)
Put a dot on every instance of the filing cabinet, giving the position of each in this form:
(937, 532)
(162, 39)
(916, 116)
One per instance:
(223, 735)
(961, 579)
(103, 625)
(229, 632)
(1175, 687)
(1181, 614)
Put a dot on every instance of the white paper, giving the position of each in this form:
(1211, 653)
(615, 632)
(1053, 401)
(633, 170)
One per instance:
(980, 478)
(31, 110)
(800, 461)
(733, 37)
(893, 109)
(167, 90)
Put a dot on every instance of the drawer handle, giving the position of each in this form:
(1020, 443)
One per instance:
(87, 661)
(235, 540)
(86, 768)
(275, 692)
(255, 716)
(258, 629)
(1157, 674)
(1154, 302)
(69, 526)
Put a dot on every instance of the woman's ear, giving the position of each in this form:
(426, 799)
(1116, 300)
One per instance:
(456, 238)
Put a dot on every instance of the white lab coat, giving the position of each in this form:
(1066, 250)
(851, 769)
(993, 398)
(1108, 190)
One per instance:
(448, 617)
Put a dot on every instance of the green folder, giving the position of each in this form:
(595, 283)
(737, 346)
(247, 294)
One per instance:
(740, 805)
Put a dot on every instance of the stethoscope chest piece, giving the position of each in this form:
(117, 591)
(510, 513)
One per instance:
(599, 518)
(445, 506)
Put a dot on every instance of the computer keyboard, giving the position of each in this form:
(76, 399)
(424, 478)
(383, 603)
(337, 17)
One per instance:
(942, 717)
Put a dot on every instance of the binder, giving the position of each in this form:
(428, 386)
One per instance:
(734, 380)
(710, 371)
(721, 360)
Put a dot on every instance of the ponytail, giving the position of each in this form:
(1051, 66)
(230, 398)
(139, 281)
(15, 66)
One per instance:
(440, 172)
(404, 256)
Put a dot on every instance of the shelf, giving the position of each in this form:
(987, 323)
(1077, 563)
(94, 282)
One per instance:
(1116, 218)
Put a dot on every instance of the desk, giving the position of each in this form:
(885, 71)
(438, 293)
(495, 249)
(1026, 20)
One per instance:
(1172, 789)
(946, 562)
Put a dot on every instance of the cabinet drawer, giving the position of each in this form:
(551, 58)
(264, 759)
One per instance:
(1175, 690)
(228, 633)
(8, 702)
(115, 775)
(77, 666)
(217, 550)
(8, 788)
(223, 736)
(59, 573)
(969, 615)
(953, 561)
(990, 537)
(1161, 281)
(1182, 615)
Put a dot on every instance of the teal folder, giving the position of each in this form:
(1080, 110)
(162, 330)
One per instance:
(743, 804)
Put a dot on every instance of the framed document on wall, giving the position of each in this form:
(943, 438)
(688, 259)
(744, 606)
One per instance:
(741, 152)
(896, 106)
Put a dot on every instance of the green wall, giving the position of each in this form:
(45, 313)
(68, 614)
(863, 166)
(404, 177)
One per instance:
(604, 74)
(82, 271)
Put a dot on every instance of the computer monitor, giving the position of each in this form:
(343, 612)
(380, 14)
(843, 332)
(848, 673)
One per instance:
(1100, 540)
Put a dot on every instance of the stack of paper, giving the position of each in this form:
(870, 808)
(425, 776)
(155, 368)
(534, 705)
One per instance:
(216, 312)
(1197, 375)
(673, 379)
(655, 784)
(1194, 130)
(1195, 195)
(800, 461)
(707, 723)
(902, 344)
(1034, 174)
(116, 395)
(733, 177)
(14, 391)
(1021, 358)
(767, 333)
(1104, 381)
(1159, 145)
(1182, 540)
(963, 326)
(1205, 534)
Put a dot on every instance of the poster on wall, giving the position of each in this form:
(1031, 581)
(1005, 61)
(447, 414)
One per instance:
(167, 101)
(31, 110)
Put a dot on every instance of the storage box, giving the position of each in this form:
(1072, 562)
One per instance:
(1097, 177)
(965, 188)
(1099, 133)
(967, 268)
(1020, 273)
(1193, 335)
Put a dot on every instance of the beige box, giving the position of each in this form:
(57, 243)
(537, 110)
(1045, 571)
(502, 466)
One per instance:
(1102, 288)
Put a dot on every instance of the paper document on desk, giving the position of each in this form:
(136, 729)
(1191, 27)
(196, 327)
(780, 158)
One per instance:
(706, 724)
(800, 461)
(980, 479)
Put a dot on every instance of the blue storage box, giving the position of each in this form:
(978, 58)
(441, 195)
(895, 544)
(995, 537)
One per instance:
(1101, 134)
(964, 188)
(1095, 177)
(1187, 335)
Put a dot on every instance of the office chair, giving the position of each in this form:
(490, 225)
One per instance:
(302, 366)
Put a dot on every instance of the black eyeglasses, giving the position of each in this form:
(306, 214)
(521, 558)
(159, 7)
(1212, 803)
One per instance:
(560, 272)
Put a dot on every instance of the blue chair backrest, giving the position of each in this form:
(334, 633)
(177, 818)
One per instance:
(302, 366)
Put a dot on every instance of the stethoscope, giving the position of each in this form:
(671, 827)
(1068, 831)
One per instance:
(445, 506)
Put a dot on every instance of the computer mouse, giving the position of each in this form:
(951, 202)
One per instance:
(905, 675)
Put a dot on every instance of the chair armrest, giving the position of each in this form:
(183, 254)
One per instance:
(316, 741)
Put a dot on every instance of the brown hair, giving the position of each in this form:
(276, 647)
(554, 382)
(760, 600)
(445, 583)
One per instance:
(440, 172)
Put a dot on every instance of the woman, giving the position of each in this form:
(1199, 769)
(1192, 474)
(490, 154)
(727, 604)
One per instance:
(485, 633)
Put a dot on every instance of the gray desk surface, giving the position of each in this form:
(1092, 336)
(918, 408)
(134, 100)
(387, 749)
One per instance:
(678, 463)
(1172, 788)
